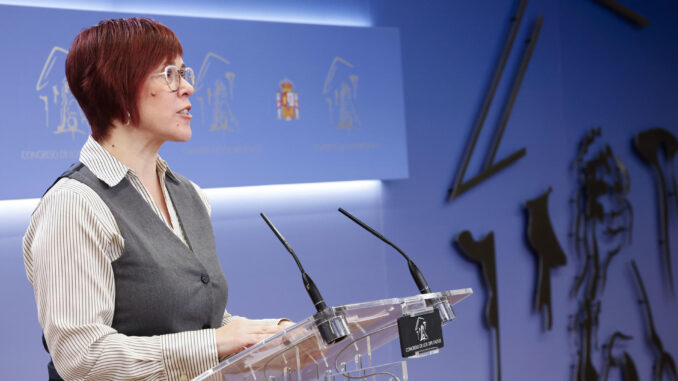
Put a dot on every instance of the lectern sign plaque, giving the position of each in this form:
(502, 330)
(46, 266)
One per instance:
(420, 333)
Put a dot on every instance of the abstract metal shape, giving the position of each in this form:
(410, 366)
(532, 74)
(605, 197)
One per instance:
(624, 12)
(545, 245)
(625, 362)
(490, 167)
(648, 144)
(603, 219)
(483, 253)
(664, 363)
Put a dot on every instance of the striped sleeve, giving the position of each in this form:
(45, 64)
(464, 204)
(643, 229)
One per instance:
(68, 251)
(187, 355)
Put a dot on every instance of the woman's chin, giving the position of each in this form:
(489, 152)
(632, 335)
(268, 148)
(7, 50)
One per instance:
(187, 136)
(183, 135)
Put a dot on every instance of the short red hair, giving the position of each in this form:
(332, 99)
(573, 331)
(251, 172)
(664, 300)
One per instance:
(108, 63)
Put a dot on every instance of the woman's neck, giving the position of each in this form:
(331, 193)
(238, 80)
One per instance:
(135, 150)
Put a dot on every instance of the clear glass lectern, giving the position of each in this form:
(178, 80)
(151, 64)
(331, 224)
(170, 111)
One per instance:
(300, 353)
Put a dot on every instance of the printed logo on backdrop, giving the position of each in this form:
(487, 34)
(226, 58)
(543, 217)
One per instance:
(287, 101)
(62, 115)
(214, 93)
(62, 112)
(341, 92)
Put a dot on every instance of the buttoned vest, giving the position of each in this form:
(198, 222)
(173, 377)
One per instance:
(162, 286)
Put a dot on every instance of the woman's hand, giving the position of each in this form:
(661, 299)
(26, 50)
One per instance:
(242, 333)
(284, 324)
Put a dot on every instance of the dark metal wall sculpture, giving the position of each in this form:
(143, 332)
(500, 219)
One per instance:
(602, 225)
(648, 145)
(482, 252)
(628, 368)
(624, 12)
(544, 243)
(490, 167)
(664, 363)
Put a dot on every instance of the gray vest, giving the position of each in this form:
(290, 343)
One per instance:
(161, 285)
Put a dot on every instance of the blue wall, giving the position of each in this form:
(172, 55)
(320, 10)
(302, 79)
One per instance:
(590, 68)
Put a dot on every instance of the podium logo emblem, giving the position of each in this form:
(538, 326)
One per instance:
(420, 334)
(420, 329)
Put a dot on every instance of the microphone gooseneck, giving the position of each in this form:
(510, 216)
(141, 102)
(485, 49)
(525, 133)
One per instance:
(417, 275)
(331, 324)
(441, 304)
(310, 286)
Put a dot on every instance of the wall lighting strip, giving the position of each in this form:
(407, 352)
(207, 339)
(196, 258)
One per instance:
(295, 193)
(353, 14)
(19, 211)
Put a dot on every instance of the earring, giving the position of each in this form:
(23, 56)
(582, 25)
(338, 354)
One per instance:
(128, 119)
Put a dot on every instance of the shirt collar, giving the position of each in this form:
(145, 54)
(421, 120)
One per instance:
(164, 169)
(109, 169)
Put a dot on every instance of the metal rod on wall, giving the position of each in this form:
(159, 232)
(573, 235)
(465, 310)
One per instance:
(506, 113)
(487, 100)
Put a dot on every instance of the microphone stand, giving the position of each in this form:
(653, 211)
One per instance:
(442, 305)
(332, 326)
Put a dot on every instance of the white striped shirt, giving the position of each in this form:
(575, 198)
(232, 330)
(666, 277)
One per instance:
(68, 250)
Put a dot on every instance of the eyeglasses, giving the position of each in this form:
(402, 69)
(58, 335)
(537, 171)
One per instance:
(173, 76)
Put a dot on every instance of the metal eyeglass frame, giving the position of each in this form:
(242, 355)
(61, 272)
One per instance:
(183, 74)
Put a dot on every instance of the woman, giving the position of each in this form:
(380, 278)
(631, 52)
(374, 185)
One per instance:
(120, 250)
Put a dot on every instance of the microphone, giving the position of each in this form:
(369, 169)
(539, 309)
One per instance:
(310, 286)
(441, 304)
(333, 327)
